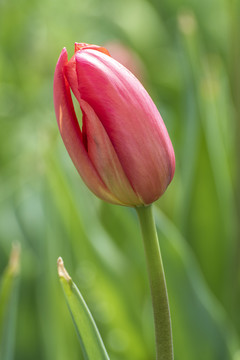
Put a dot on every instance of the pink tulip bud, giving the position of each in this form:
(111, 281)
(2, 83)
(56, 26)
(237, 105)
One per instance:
(122, 151)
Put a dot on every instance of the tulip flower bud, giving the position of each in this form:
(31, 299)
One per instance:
(122, 150)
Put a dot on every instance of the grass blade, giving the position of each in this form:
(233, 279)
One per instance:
(90, 339)
(8, 303)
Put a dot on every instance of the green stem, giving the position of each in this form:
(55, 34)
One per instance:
(161, 312)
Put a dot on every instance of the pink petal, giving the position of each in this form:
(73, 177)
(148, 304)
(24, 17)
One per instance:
(71, 75)
(81, 46)
(104, 158)
(70, 68)
(71, 133)
(131, 120)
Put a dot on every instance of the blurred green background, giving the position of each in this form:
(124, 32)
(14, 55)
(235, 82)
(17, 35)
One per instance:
(187, 54)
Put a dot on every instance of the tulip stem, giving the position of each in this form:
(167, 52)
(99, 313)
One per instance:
(161, 312)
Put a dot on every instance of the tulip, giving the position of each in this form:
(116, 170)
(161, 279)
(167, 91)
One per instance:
(122, 150)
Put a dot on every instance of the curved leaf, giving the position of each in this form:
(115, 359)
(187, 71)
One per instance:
(89, 337)
(8, 304)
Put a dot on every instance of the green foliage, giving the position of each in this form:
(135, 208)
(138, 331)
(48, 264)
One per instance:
(90, 340)
(8, 304)
(187, 55)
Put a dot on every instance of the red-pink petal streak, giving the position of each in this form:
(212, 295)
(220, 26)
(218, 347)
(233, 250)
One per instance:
(131, 121)
(81, 46)
(104, 158)
(71, 133)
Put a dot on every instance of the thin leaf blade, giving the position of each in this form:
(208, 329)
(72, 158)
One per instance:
(90, 339)
(8, 304)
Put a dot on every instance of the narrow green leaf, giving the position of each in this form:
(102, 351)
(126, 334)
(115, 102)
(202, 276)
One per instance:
(91, 342)
(8, 297)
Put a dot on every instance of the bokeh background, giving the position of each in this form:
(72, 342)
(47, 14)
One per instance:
(187, 55)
